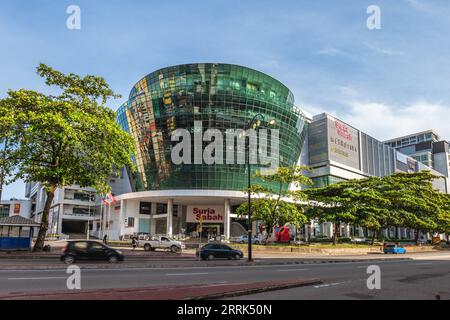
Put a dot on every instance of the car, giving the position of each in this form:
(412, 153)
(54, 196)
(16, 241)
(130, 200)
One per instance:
(221, 251)
(142, 236)
(244, 239)
(394, 249)
(89, 250)
(163, 242)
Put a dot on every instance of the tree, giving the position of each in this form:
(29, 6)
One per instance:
(64, 139)
(412, 198)
(278, 205)
(332, 204)
(371, 207)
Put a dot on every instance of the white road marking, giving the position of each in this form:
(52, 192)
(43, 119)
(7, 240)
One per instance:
(186, 274)
(328, 284)
(287, 270)
(423, 263)
(37, 278)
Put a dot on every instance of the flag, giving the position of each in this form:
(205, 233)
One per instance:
(105, 201)
(111, 197)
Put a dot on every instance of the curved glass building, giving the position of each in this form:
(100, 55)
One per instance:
(221, 96)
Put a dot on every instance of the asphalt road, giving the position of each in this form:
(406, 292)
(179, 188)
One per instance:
(423, 278)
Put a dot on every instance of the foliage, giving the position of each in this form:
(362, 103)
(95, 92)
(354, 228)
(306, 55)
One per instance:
(276, 208)
(402, 199)
(70, 138)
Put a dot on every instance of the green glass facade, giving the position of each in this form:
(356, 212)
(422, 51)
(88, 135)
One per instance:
(221, 96)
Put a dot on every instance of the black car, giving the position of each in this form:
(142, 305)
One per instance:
(215, 250)
(89, 250)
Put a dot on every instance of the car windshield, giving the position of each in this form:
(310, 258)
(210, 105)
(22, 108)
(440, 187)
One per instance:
(391, 246)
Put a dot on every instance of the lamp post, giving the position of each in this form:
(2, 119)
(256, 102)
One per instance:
(254, 123)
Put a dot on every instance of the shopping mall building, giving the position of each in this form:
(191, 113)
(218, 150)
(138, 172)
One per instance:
(163, 197)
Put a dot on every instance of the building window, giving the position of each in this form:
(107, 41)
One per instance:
(145, 208)
(4, 210)
(161, 208)
(130, 222)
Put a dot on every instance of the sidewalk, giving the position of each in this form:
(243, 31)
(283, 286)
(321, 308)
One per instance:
(186, 292)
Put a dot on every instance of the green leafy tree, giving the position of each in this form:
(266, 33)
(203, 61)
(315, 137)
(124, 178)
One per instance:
(332, 204)
(64, 139)
(280, 205)
(413, 198)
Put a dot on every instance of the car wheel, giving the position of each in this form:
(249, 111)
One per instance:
(174, 249)
(211, 257)
(113, 259)
(237, 257)
(147, 247)
(69, 259)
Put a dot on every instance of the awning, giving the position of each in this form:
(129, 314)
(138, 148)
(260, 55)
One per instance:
(18, 221)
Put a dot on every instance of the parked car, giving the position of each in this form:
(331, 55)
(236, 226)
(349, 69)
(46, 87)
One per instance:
(214, 250)
(164, 243)
(394, 249)
(89, 250)
(244, 239)
(143, 236)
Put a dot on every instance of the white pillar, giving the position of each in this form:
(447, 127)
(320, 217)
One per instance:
(122, 216)
(169, 217)
(60, 215)
(227, 220)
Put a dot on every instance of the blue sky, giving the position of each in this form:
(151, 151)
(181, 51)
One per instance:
(386, 82)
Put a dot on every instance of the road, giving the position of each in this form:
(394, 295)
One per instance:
(424, 277)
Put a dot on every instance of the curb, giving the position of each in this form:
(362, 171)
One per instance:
(206, 265)
(245, 292)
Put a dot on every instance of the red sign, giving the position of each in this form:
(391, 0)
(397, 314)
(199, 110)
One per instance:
(16, 208)
(342, 130)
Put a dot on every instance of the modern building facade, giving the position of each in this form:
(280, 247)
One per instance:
(167, 197)
(74, 209)
(220, 96)
(427, 148)
(13, 207)
(338, 151)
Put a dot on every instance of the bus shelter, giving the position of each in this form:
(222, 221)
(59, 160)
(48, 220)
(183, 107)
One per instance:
(16, 233)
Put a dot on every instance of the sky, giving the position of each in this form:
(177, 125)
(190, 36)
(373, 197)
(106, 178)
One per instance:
(386, 82)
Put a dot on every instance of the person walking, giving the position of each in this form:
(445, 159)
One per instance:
(134, 243)
(105, 238)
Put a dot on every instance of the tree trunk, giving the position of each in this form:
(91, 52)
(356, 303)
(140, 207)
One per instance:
(335, 229)
(39, 245)
(374, 233)
(416, 237)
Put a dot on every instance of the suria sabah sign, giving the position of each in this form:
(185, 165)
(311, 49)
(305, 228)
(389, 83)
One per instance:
(210, 214)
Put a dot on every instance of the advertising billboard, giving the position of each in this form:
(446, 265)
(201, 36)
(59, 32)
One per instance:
(343, 143)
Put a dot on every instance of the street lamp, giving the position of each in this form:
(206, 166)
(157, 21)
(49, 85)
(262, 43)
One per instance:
(254, 123)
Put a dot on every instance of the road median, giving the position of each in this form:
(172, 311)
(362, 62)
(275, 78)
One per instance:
(185, 292)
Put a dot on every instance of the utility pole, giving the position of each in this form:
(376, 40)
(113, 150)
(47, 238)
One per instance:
(2, 167)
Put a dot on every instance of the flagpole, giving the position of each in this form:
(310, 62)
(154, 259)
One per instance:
(109, 220)
(101, 221)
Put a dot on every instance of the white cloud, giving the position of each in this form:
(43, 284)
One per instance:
(329, 51)
(385, 51)
(385, 122)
